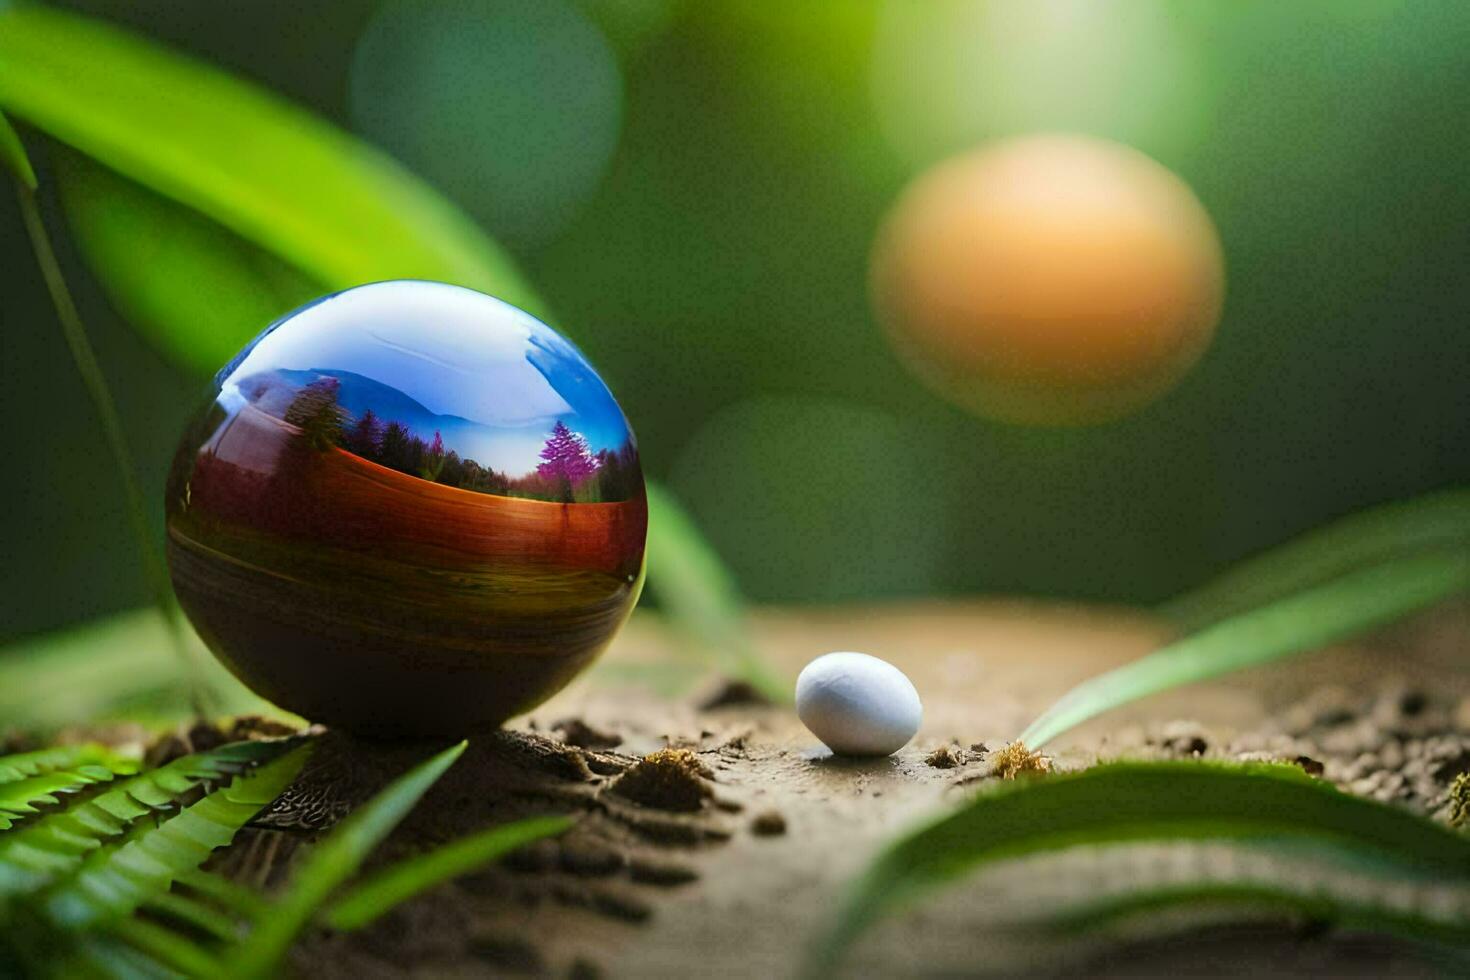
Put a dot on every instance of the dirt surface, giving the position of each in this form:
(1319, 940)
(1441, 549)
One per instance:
(715, 835)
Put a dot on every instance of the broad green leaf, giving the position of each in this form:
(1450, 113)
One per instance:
(172, 272)
(320, 203)
(115, 666)
(1263, 805)
(116, 879)
(696, 590)
(13, 155)
(397, 884)
(339, 210)
(1315, 617)
(1438, 521)
(332, 862)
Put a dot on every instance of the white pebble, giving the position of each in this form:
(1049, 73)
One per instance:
(857, 704)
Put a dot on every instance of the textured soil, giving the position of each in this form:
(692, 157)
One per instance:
(715, 835)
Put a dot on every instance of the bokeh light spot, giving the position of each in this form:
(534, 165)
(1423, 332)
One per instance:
(817, 499)
(513, 108)
(1049, 279)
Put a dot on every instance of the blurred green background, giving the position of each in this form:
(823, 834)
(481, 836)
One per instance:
(694, 188)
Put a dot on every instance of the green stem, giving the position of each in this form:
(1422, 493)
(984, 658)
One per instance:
(87, 367)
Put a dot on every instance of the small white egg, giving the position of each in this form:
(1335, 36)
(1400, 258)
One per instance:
(857, 704)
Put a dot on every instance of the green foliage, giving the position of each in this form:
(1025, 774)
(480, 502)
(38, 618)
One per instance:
(335, 208)
(1343, 607)
(116, 667)
(332, 862)
(71, 877)
(1437, 521)
(46, 852)
(116, 880)
(1263, 806)
(700, 596)
(90, 755)
(13, 155)
(375, 897)
(240, 231)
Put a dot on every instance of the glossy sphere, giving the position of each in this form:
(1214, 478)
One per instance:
(1049, 279)
(408, 509)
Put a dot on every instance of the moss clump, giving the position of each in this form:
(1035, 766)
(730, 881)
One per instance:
(1017, 760)
(1460, 800)
(669, 779)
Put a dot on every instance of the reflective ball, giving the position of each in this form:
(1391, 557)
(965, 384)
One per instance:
(1049, 279)
(407, 509)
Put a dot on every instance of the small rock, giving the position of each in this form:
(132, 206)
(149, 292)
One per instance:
(768, 823)
(857, 704)
(732, 693)
(576, 732)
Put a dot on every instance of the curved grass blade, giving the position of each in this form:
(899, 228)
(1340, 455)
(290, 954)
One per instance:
(274, 174)
(112, 667)
(244, 902)
(192, 912)
(26, 764)
(13, 155)
(326, 204)
(333, 861)
(1169, 801)
(1437, 521)
(1346, 911)
(396, 885)
(56, 845)
(166, 948)
(1315, 617)
(170, 270)
(115, 880)
(696, 589)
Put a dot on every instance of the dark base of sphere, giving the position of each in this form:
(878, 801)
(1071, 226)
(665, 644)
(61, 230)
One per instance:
(362, 668)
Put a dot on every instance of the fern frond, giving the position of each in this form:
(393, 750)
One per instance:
(40, 852)
(23, 797)
(26, 764)
(116, 879)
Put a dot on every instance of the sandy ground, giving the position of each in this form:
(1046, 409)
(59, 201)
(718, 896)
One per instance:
(735, 879)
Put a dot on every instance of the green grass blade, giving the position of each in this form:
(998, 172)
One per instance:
(319, 205)
(113, 667)
(244, 902)
(169, 269)
(166, 947)
(329, 204)
(1165, 801)
(1350, 912)
(696, 590)
(1327, 613)
(115, 880)
(332, 862)
(393, 886)
(13, 155)
(192, 912)
(1437, 521)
